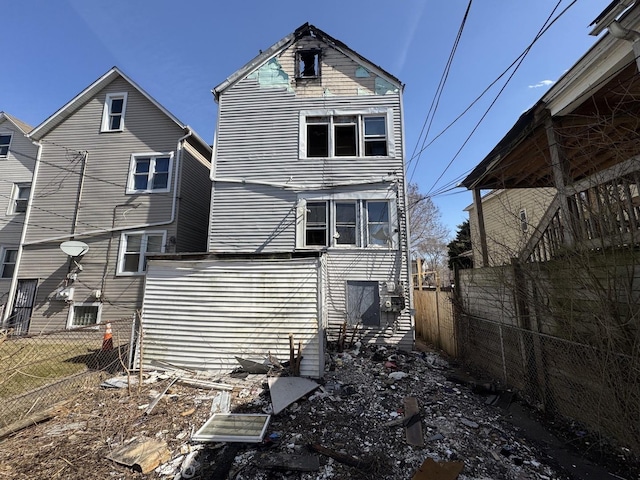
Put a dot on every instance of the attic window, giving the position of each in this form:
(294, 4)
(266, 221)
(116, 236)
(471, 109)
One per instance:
(308, 64)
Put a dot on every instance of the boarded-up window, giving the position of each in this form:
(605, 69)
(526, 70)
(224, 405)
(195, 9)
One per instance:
(363, 302)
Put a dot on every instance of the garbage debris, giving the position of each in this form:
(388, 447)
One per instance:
(229, 427)
(143, 453)
(432, 470)
(288, 462)
(286, 390)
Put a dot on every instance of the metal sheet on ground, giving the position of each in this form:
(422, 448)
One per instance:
(286, 390)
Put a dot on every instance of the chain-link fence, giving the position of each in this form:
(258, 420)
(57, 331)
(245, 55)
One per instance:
(37, 372)
(598, 388)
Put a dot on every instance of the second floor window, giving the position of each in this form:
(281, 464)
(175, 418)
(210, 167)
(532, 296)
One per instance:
(20, 198)
(134, 248)
(150, 173)
(115, 107)
(357, 135)
(5, 142)
(348, 223)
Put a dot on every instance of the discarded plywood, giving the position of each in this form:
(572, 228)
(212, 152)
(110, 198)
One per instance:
(221, 427)
(283, 461)
(432, 470)
(413, 429)
(286, 390)
(142, 453)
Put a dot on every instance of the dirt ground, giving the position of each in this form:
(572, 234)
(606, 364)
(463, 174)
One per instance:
(355, 412)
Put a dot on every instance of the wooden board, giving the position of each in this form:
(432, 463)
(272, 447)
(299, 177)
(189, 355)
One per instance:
(413, 432)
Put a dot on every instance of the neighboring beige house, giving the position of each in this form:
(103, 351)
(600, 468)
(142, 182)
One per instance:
(308, 229)
(510, 218)
(119, 173)
(17, 159)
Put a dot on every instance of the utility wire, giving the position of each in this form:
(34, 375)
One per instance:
(436, 99)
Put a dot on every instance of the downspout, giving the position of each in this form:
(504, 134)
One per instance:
(142, 225)
(14, 279)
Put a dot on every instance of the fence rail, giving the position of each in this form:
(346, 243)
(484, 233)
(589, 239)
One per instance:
(40, 370)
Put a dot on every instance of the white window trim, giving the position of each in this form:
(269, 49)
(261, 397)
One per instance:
(11, 209)
(10, 133)
(143, 254)
(368, 112)
(3, 251)
(72, 307)
(361, 225)
(153, 155)
(106, 111)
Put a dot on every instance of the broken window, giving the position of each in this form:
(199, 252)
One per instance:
(308, 64)
(378, 223)
(316, 225)
(346, 136)
(348, 223)
(363, 303)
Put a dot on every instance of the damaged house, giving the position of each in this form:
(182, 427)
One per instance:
(308, 228)
(119, 177)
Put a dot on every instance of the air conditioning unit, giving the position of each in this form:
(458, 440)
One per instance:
(64, 293)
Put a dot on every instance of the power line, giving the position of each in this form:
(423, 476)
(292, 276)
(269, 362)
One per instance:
(436, 99)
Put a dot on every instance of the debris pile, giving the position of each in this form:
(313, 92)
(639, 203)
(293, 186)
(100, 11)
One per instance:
(376, 413)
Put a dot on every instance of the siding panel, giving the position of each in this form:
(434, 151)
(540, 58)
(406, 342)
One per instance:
(201, 315)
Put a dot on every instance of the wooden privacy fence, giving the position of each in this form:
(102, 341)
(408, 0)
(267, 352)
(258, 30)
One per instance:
(434, 318)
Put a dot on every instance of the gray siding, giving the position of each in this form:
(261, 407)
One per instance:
(202, 315)
(97, 199)
(17, 167)
(194, 202)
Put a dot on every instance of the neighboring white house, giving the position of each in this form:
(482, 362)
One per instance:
(308, 215)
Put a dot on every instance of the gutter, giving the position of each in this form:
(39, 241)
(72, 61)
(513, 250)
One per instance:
(178, 163)
(299, 187)
(23, 235)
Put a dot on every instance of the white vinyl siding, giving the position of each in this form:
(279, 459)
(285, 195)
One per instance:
(202, 314)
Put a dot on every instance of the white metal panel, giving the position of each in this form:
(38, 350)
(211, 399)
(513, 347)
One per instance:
(201, 315)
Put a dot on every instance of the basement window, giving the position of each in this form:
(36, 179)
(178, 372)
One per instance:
(308, 64)
(83, 314)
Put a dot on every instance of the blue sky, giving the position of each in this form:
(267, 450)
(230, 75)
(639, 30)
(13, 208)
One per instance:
(179, 51)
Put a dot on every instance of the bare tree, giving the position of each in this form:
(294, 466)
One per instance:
(429, 236)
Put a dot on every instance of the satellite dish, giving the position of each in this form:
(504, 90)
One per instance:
(73, 248)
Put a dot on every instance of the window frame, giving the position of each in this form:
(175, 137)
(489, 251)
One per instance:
(8, 145)
(152, 156)
(107, 112)
(317, 70)
(15, 198)
(360, 138)
(524, 220)
(3, 261)
(144, 241)
(72, 311)
(361, 225)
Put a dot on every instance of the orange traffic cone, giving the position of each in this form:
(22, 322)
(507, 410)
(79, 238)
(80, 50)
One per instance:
(107, 340)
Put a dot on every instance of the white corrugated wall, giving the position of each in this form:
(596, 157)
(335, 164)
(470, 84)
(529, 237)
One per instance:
(202, 314)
